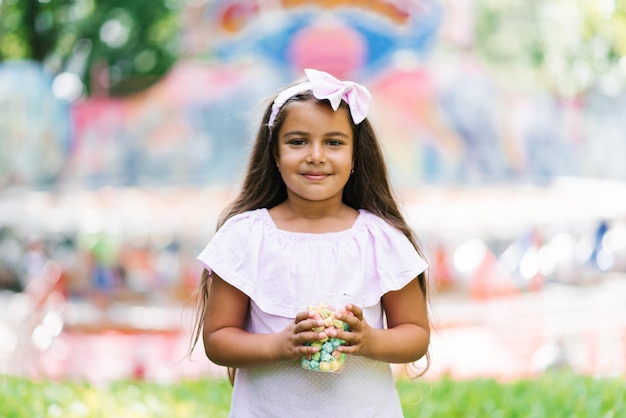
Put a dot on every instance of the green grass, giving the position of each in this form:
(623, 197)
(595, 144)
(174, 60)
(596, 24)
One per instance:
(21, 398)
(551, 395)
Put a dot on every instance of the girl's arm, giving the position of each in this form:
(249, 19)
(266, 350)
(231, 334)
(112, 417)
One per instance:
(407, 336)
(228, 344)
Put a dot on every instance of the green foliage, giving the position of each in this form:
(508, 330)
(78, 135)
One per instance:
(551, 395)
(116, 47)
(29, 28)
(136, 40)
(567, 46)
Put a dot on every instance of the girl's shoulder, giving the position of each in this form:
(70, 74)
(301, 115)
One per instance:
(367, 217)
(244, 218)
(243, 223)
(375, 223)
(380, 232)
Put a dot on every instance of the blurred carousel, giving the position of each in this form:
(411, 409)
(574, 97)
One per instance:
(523, 278)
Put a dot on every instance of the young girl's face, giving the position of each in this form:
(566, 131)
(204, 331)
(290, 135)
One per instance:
(314, 155)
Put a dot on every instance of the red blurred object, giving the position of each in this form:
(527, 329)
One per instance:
(328, 46)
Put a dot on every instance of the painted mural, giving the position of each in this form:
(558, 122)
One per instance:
(440, 115)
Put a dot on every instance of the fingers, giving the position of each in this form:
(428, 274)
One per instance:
(311, 327)
(356, 334)
(356, 311)
(301, 316)
(353, 315)
(308, 329)
(303, 324)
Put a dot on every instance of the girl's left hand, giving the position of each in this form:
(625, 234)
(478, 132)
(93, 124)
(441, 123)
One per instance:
(358, 338)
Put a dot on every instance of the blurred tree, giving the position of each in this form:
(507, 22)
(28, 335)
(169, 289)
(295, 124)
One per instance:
(116, 47)
(565, 45)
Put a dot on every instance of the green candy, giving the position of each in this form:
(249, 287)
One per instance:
(326, 357)
(336, 342)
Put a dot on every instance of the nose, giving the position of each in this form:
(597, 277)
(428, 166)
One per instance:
(316, 153)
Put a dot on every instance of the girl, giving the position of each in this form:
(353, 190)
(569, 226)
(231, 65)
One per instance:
(315, 217)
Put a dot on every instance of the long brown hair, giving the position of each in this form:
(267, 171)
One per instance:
(263, 187)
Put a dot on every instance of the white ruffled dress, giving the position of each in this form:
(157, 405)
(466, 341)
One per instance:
(283, 272)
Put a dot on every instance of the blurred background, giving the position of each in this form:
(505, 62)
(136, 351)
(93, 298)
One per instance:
(125, 126)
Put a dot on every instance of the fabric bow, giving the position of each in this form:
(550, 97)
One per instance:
(325, 86)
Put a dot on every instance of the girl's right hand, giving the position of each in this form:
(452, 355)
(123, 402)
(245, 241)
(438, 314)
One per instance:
(291, 340)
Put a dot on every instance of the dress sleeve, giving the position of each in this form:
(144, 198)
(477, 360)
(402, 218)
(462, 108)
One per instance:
(229, 255)
(395, 262)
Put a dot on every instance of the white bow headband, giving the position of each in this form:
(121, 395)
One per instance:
(325, 86)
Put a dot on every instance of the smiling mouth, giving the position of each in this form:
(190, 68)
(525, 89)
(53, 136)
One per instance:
(315, 176)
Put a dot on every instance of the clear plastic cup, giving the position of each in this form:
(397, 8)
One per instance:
(327, 358)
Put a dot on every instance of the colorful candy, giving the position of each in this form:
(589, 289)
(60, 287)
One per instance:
(327, 359)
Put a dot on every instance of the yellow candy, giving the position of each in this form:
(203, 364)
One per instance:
(325, 366)
(335, 365)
